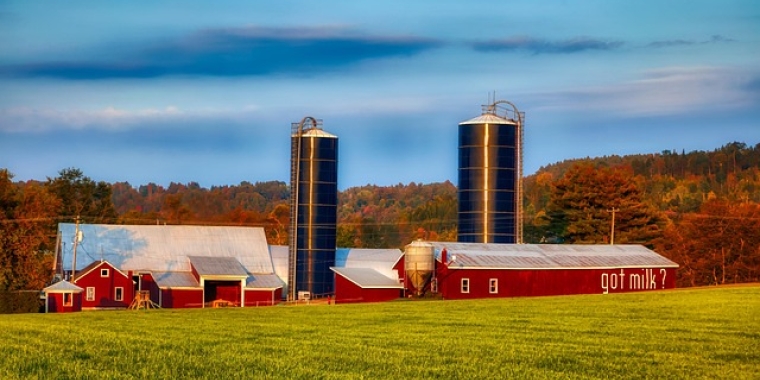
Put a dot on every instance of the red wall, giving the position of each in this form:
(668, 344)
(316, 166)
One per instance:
(148, 283)
(262, 297)
(517, 283)
(105, 287)
(348, 292)
(55, 303)
(223, 290)
(181, 298)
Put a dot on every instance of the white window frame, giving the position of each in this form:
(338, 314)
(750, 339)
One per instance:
(104, 272)
(493, 286)
(118, 293)
(465, 285)
(70, 297)
(90, 293)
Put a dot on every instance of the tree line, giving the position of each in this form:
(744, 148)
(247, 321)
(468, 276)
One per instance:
(699, 208)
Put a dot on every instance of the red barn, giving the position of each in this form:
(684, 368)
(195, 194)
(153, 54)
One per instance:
(473, 270)
(177, 266)
(63, 297)
(105, 286)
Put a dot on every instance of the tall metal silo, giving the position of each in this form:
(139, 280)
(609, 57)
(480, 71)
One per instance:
(313, 209)
(490, 176)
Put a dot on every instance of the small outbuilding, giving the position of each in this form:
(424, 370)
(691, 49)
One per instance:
(62, 297)
(368, 275)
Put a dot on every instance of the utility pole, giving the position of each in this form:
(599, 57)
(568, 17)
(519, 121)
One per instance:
(612, 228)
(76, 241)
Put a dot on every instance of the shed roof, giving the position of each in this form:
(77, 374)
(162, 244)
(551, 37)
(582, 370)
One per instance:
(368, 278)
(176, 280)
(550, 256)
(217, 266)
(62, 287)
(166, 248)
(381, 260)
(264, 281)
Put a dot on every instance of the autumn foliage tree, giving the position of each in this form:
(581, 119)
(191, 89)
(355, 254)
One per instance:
(27, 234)
(718, 245)
(582, 203)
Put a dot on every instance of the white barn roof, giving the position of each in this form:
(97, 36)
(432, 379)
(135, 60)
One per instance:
(165, 248)
(550, 256)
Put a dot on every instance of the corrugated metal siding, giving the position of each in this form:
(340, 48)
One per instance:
(166, 248)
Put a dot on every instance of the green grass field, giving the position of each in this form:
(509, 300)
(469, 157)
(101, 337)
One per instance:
(691, 333)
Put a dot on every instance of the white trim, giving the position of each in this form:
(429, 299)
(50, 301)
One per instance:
(89, 297)
(464, 286)
(116, 291)
(493, 286)
(107, 272)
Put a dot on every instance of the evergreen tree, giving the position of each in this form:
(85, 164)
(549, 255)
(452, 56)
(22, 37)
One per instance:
(584, 201)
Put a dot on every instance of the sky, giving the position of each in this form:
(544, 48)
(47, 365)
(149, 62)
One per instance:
(201, 91)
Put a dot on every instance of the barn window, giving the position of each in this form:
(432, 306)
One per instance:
(118, 294)
(68, 299)
(493, 286)
(465, 285)
(104, 272)
(91, 293)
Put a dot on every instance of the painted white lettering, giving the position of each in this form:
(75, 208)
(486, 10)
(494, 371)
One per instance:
(652, 280)
(634, 281)
(622, 279)
(605, 283)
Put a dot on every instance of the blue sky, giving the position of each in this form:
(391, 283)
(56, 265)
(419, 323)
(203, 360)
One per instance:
(180, 91)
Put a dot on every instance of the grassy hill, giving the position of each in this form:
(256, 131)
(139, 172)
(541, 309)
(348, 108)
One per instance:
(688, 333)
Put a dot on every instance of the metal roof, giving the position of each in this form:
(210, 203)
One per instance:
(317, 132)
(550, 256)
(175, 280)
(166, 248)
(217, 266)
(368, 278)
(264, 281)
(489, 118)
(380, 260)
(62, 286)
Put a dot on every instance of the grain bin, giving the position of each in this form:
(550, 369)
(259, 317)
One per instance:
(419, 264)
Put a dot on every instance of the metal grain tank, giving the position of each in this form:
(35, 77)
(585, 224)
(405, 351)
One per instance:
(490, 176)
(313, 210)
(419, 264)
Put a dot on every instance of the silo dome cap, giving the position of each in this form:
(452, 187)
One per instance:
(317, 132)
(489, 118)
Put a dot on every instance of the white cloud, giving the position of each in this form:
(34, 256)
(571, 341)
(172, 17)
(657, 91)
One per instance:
(659, 92)
(25, 119)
